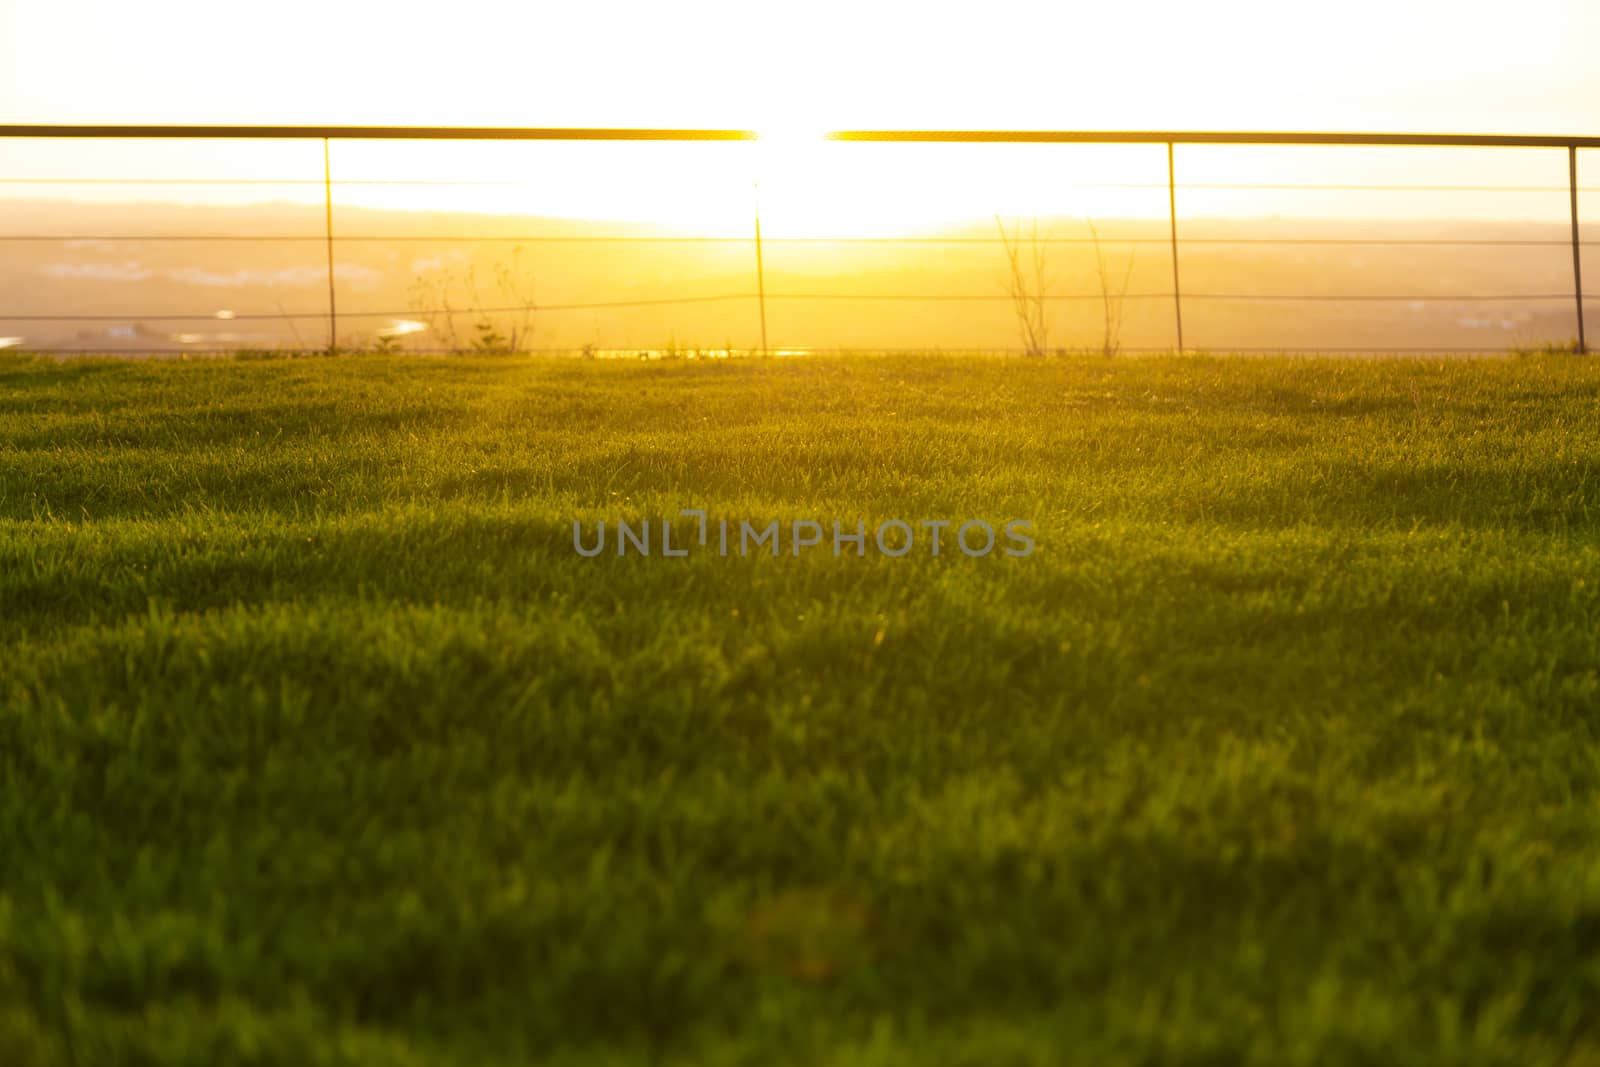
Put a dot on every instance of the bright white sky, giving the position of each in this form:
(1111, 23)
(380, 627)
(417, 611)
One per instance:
(1382, 65)
(1462, 65)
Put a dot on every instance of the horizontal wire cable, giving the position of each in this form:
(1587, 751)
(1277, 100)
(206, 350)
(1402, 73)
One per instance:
(1494, 242)
(211, 316)
(1187, 295)
(505, 183)
(475, 183)
(752, 351)
(1272, 186)
(412, 313)
(1442, 298)
(1068, 349)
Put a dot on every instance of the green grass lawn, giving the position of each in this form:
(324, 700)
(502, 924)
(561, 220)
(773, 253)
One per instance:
(319, 743)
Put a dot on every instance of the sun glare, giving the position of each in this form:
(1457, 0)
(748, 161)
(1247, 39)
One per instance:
(792, 133)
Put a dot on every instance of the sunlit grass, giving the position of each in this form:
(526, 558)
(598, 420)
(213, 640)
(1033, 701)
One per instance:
(320, 744)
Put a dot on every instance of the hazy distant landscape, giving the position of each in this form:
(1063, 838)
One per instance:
(943, 288)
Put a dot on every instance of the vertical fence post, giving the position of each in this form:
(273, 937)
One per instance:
(327, 202)
(1577, 245)
(1172, 218)
(761, 273)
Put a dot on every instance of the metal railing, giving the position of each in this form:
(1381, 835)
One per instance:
(1170, 139)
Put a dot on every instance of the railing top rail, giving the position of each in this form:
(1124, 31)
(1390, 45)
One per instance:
(522, 133)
